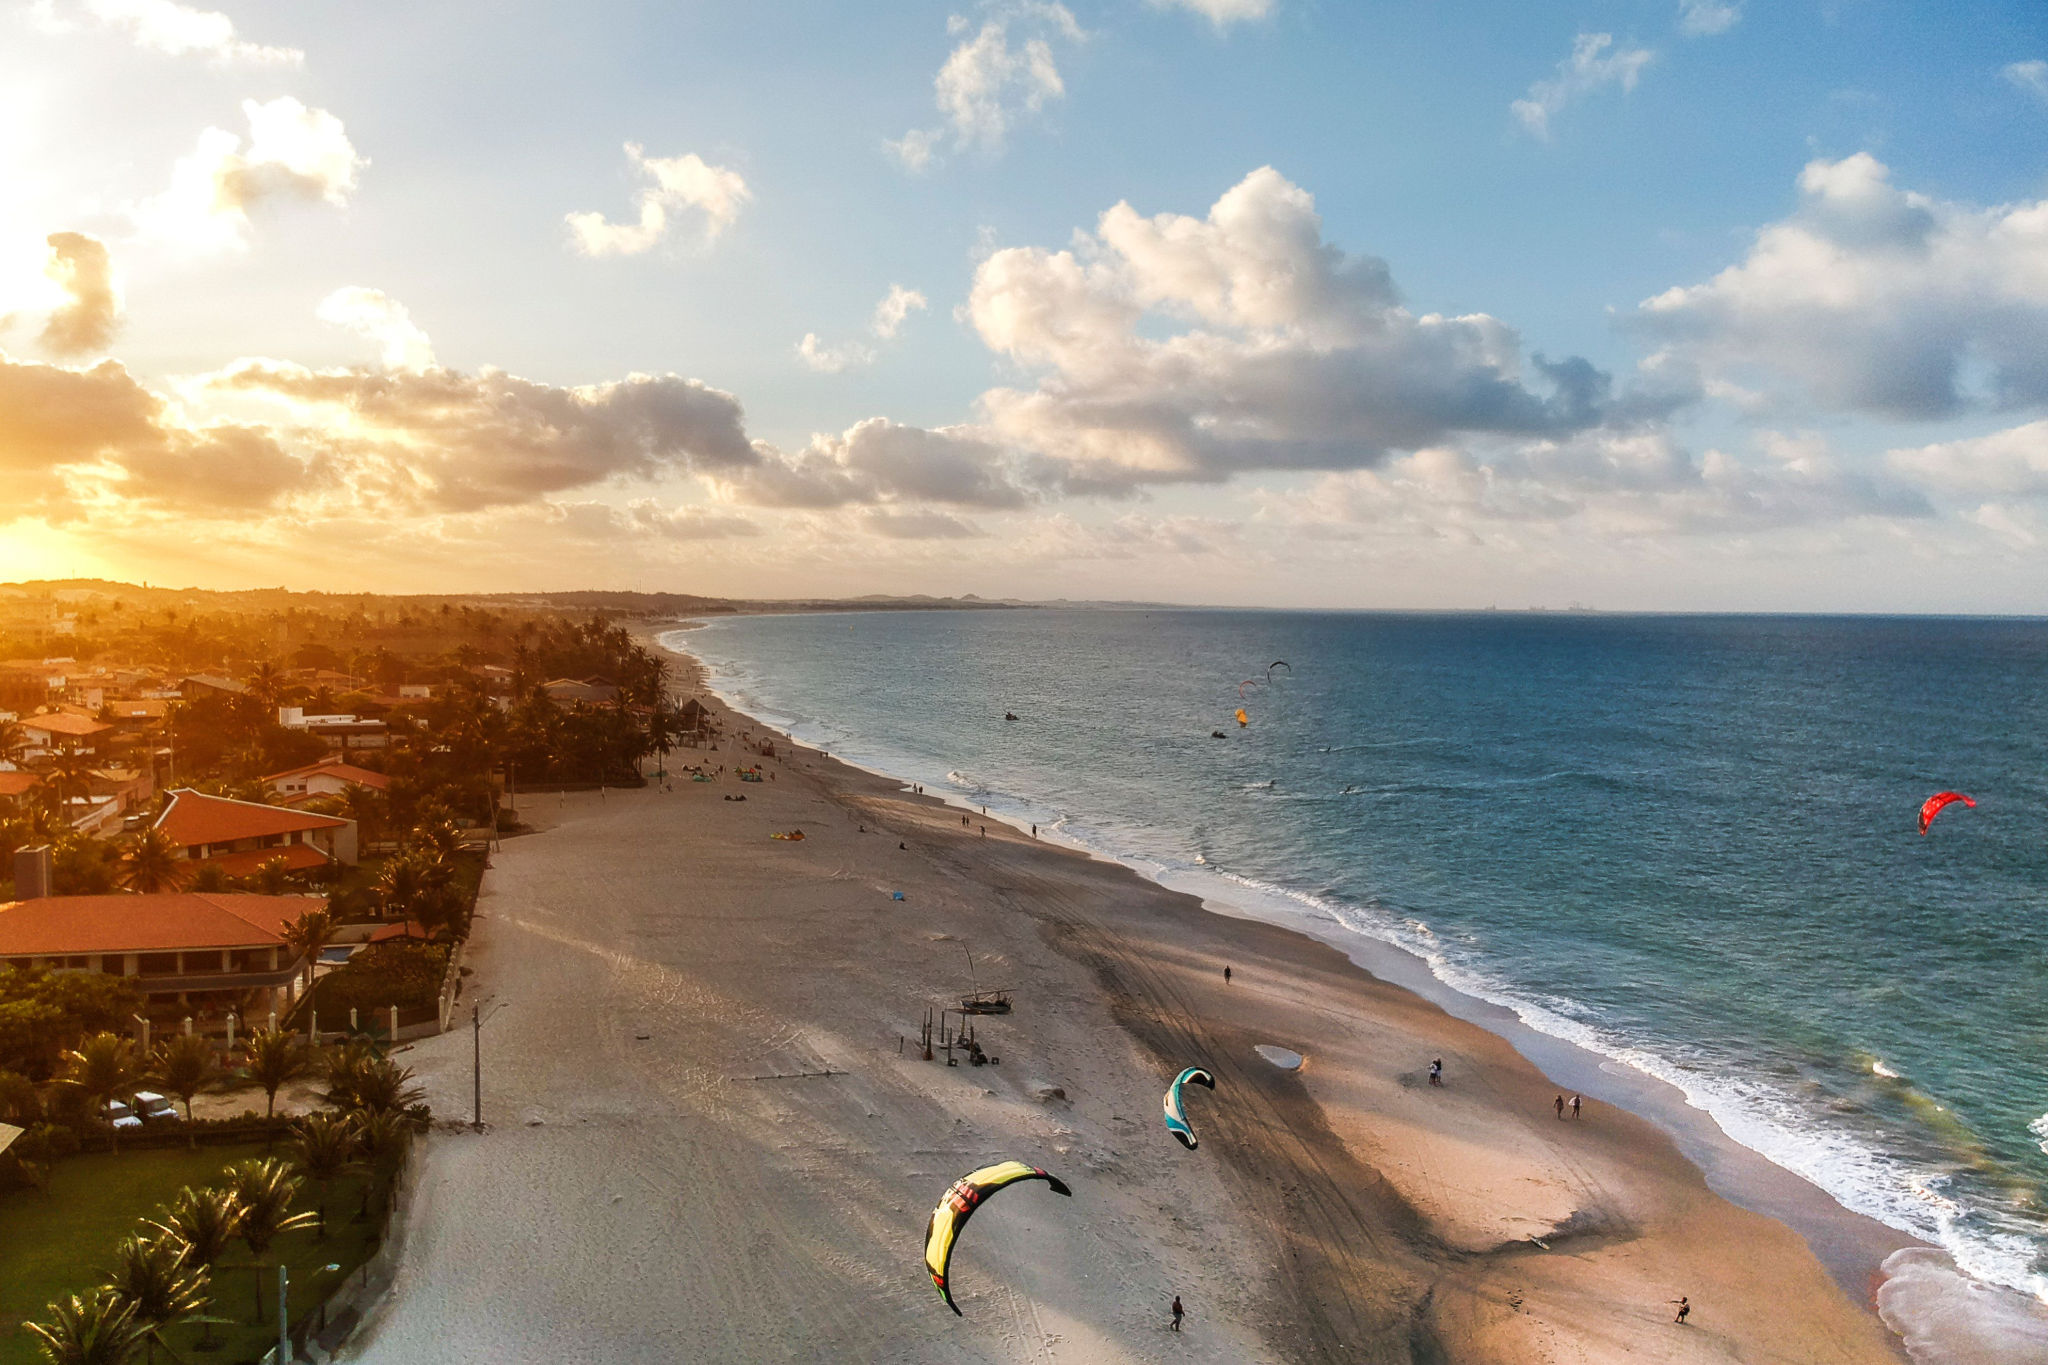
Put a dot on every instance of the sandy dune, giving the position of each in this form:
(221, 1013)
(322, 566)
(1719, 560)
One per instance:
(665, 1177)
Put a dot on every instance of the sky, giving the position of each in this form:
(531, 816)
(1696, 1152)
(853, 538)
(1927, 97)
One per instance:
(1636, 304)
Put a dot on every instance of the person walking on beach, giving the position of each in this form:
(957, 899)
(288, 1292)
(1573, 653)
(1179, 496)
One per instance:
(1177, 1311)
(1575, 1106)
(1436, 1072)
(1226, 976)
(1560, 1106)
(1684, 1308)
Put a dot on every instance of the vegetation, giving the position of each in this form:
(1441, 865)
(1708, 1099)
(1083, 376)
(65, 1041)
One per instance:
(274, 1059)
(401, 973)
(43, 1013)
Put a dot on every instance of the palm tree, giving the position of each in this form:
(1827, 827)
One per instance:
(274, 1059)
(152, 1276)
(308, 934)
(265, 1189)
(365, 806)
(13, 740)
(101, 1068)
(209, 877)
(273, 876)
(69, 778)
(370, 1084)
(95, 1329)
(325, 1150)
(265, 685)
(205, 1223)
(185, 1065)
(151, 862)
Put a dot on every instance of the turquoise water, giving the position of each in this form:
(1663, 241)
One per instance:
(1686, 842)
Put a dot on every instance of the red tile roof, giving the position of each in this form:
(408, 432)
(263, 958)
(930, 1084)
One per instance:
(15, 783)
(297, 858)
(57, 926)
(193, 818)
(59, 723)
(347, 772)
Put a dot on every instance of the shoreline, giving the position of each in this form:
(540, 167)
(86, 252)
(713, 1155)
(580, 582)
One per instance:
(709, 1134)
(1852, 1245)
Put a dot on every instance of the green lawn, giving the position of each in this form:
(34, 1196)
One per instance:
(60, 1243)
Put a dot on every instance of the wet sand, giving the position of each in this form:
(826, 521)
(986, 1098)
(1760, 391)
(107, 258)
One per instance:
(711, 1135)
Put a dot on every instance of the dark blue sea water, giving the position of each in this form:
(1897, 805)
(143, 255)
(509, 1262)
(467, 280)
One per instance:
(1685, 842)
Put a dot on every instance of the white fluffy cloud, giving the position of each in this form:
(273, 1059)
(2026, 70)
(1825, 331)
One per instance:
(1874, 299)
(989, 81)
(292, 153)
(1221, 12)
(1705, 18)
(1175, 348)
(2031, 77)
(1594, 63)
(896, 305)
(681, 185)
(376, 316)
(2010, 464)
(167, 27)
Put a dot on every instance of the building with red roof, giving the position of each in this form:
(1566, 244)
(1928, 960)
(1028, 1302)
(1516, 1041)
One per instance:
(240, 836)
(328, 777)
(202, 949)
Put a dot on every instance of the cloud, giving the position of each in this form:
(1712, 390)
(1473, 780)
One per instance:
(293, 153)
(1590, 67)
(681, 184)
(898, 304)
(1174, 349)
(1705, 18)
(86, 321)
(119, 439)
(1221, 12)
(832, 359)
(376, 316)
(164, 26)
(2012, 463)
(1872, 299)
(926, 525)
(604, 522)
(878, 461)
(448, 440)
(1613, 485)
(2031, 77)
(987, 83)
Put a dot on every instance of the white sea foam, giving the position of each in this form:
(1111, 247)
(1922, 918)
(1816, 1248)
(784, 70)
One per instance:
(1878, 1067)
(2039, 1128)
(1947, 1318)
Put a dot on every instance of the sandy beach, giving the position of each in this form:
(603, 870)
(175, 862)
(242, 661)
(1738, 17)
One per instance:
(710, 1134)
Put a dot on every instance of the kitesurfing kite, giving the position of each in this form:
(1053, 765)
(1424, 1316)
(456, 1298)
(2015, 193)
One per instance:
(1242, 718)
(1176, 1121)
(1939, 802)
(1277, 663)
(962, 1198)
(1248, 682)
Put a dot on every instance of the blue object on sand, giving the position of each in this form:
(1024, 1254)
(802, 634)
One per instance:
(895, 895)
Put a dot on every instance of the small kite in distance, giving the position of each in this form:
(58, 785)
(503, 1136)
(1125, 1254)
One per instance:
(1939, 802)
(1277, 663)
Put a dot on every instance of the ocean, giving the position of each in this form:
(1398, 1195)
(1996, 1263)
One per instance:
(1686, 843)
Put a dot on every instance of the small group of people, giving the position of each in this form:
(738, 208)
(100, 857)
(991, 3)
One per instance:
(1562, 1102)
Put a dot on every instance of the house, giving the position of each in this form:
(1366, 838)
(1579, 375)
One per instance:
(328, 777)
(240, 836)
(693, 715)
(54, 730)
(415, 691)
(337, 731)
(201, 949)
(15, 784)
(197, 685)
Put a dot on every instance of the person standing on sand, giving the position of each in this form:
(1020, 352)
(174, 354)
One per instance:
(1177, 1311)
(1560, 1106)
(1226, 976)
(1684, 1308)
(1575, 1106)
(1436, 1072)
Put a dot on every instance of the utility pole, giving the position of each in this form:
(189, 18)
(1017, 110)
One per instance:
(476, 1033)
